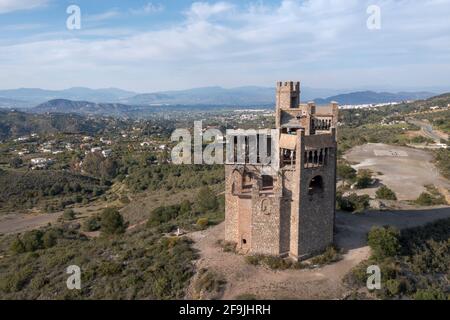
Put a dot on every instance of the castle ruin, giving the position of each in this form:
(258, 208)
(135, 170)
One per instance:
(290, 213)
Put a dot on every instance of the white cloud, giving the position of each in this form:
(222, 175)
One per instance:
(113, 13)
(15, 5)
(149, 8)
(204, 10)
(325, 42)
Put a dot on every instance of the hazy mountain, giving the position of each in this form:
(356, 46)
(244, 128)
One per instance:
(207, 95)
(367, 97)
(212, 96)
(33, 96)
(253, 96)
(240, 96)
(442, 101)
(82, 107)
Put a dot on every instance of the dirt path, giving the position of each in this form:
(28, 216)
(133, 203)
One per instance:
(428, 130)
(20, 222)
(321, 283)
(15, 223)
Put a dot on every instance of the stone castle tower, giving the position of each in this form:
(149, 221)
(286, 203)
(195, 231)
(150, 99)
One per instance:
(290, 213)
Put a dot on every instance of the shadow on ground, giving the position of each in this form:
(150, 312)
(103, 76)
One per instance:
(352, 229)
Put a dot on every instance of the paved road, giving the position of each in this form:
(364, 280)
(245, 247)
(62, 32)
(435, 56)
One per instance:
(427, 129)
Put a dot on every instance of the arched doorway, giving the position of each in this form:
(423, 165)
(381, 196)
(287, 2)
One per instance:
(315, 186)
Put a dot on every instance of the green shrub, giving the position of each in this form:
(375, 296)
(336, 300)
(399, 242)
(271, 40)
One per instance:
(227, 246)
(163, 214)
(17, 246)
(272, 262)
(253, 260)
(202, 223)
(363, 179)
(330, 255)
(443, 161)
(109, 268)
(206, 200)
(17, 280)
(420, 139)
(392, 287)
(209, 281)
(352, 203)
(15, 162)
(430, 294)
(346, 172)
(112, 222)
(32, 240)
(431, 198)
(69, 214)
(357, 277)
(185, 207)
(49, 239)
(92, 224)
(385, 193)
(384, 242)
(425, 199)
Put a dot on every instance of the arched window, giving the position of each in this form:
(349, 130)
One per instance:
(247, 181)
(316, 185)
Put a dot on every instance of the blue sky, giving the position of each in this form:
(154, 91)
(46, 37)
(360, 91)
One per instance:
(148, 46)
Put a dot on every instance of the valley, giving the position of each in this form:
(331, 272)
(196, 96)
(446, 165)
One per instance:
(135, 178)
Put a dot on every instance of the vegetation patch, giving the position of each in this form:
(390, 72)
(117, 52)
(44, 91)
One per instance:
(443, 162)
(415, 262)
(352, 203)
(209, 284)
(28, 189)
(142, 265)
(227, 246)
(331, 255)
(384, 193)
(208, 209)
(171, 177)
(432, 197)
(363, 179)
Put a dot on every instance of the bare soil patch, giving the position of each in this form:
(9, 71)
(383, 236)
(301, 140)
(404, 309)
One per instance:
(404, 170)
(319, 283)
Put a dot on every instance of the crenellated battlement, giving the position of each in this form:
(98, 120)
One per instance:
(293, 86)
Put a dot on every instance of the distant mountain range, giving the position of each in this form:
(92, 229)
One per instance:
(34, 96)
(370, 97)
(212, 96)
(82, 107)
(241, 96)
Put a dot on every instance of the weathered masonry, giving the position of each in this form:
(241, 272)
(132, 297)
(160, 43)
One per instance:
(289, 213)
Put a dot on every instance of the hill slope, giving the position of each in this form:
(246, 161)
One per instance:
(15, 124)
(82, 107)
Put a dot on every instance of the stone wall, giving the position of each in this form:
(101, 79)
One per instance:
(266, 225)
(317, 210)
